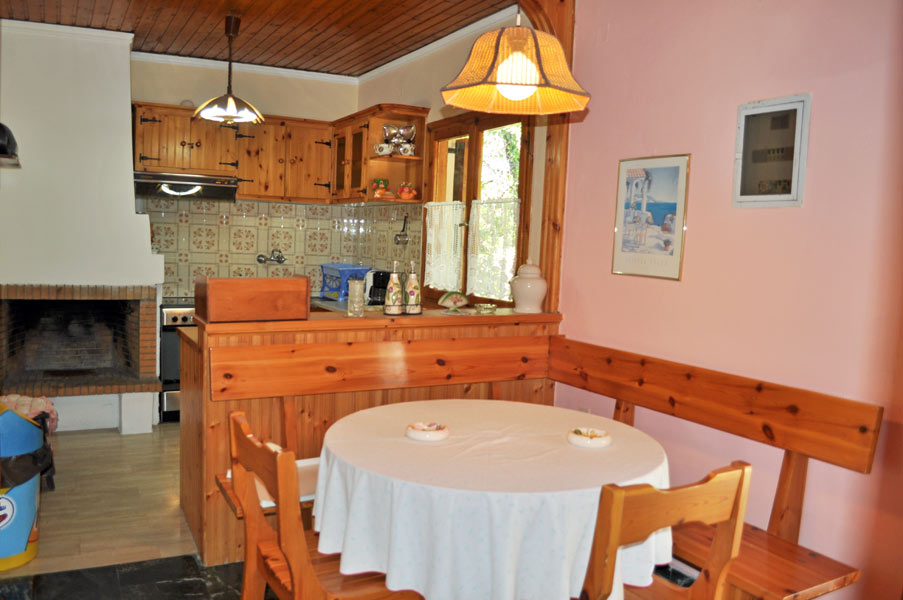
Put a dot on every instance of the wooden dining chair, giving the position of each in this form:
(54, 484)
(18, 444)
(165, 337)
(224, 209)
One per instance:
(286, 558)
(628, 515)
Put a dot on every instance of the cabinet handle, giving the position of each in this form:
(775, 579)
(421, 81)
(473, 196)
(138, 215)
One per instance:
(241, 135)
(329, 143)
(150, 120)
(142, 158)
(363, 191)
(240, 180)
(280, 161)
(234, 163)
(183, 143)
(291, 162)
(197, 144)
(364, 126)
(327, 185)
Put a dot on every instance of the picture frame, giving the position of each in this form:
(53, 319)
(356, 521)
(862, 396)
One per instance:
(650, 219)
(771, 150)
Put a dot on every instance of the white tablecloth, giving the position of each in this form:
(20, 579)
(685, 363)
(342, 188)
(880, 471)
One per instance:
(503, 509)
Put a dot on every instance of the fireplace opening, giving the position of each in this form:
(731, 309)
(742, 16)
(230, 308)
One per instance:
(69, 340)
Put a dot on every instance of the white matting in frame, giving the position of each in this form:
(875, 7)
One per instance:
(651, 216)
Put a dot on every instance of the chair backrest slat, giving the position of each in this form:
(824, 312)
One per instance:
(630, 514)
(276, 470)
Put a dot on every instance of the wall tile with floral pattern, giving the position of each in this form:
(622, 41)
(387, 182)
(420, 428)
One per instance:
(317, 242)
(204, 238)
(243, 239)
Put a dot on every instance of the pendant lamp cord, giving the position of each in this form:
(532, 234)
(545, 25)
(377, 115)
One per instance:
(229, 83)
(517, 23)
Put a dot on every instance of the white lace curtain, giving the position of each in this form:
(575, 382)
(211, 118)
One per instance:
(492, 247)
(443, 262)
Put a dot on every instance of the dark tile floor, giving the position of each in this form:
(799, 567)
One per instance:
(165, 578)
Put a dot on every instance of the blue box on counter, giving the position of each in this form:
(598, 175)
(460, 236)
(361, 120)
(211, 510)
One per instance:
(335, 279)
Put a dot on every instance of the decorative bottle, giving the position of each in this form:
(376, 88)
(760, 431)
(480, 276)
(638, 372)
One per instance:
(412, 294)
(394, 304)
(528, 289)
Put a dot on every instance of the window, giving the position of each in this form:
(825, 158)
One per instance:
(476, 221)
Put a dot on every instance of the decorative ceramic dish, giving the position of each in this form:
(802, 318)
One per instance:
(588, 437)
(426, 432)
(485, 309)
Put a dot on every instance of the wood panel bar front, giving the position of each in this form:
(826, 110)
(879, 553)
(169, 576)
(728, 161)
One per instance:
(204, 427)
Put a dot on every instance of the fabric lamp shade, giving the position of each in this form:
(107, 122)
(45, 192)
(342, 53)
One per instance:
(516, 70)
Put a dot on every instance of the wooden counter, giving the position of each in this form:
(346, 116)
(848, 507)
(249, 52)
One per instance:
(352, 355)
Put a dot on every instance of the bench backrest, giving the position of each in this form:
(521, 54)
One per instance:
(835, 430)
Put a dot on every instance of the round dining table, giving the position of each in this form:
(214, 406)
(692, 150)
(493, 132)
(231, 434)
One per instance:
(503, 508)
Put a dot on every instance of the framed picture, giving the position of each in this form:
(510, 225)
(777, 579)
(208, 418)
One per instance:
(770, 157)
(650, 217)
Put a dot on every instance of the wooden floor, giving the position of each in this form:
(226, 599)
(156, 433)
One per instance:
(116, 501)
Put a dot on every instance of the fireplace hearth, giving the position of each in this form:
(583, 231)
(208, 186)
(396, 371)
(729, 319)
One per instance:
(76, 340)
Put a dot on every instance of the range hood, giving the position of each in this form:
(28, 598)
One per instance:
(181, 185)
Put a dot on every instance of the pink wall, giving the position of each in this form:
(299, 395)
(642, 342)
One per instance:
(809, 297)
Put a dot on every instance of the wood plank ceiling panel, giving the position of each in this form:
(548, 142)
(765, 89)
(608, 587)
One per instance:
(421, 35)
(283, 19)
(270, 50)
(329, 33)
(84, 13)
(350, 37)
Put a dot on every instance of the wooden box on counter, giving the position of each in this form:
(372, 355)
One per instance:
(252, 299)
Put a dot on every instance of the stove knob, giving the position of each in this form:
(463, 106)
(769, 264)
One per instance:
(175, 319)
(184, 319)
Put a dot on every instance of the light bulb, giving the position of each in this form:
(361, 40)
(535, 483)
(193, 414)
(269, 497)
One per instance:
(516, 76)
(187, 192)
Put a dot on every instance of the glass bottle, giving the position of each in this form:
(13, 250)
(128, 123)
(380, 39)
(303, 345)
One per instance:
(412, 293)
(394, 303)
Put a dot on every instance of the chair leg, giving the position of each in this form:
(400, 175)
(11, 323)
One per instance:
(253, 585)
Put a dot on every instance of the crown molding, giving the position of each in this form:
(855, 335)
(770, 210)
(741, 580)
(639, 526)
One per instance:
(65, 32)
(221, 65)
(483, 25)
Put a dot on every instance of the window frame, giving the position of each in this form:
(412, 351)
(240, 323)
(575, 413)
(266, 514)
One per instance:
(473, 124)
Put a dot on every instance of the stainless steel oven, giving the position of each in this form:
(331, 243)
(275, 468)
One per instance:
(174, 313)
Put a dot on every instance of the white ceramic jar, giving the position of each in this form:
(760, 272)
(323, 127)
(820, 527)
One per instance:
(529, 289)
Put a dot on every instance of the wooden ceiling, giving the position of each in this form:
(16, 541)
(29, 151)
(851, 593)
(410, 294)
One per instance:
(343, 37)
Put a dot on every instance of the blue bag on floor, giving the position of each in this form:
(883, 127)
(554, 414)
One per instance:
(22, 458)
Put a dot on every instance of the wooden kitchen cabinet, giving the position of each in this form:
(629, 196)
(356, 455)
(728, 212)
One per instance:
(167, 139)
(285, 160)
(261, 160)
(308, 153)
(357, 164)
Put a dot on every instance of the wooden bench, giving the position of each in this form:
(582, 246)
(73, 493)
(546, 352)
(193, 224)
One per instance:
(804, 424)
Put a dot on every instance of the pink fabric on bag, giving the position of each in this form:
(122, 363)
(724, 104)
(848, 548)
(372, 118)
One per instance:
(32, 407)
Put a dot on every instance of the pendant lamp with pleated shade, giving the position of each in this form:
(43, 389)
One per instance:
(516, 70)
(228, 108)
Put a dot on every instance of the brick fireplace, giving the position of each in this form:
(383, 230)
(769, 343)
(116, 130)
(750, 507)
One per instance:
(71, 340)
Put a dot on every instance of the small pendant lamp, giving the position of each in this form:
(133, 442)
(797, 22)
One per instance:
(516, 70)
(228, 108)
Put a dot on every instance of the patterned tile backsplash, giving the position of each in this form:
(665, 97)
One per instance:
(223, 239)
